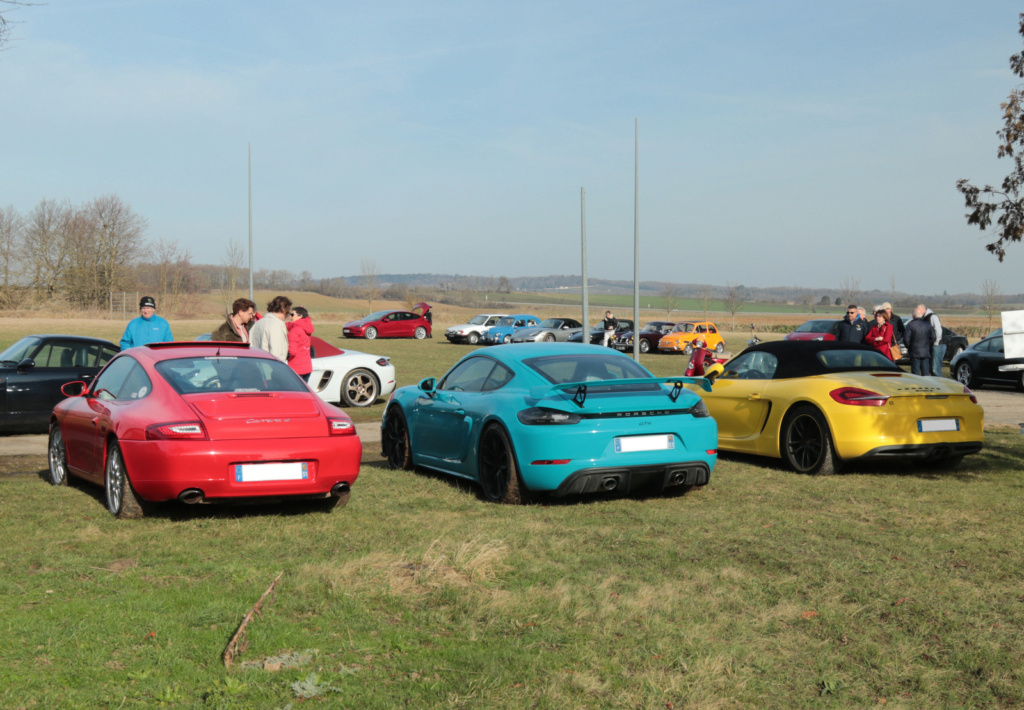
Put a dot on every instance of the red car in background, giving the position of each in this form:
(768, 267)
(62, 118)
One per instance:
(202, 422)
(392, 324)
(821, 329)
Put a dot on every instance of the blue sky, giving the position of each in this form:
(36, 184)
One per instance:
(783, 143)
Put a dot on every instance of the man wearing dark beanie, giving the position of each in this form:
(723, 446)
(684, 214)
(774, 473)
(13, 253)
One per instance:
(147, 328)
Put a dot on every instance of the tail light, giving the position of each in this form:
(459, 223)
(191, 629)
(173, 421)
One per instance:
(341, 427)
(176, 430)
(700, 409)
(859, 397)
(967, 391)
(543, 415)
(383, 361)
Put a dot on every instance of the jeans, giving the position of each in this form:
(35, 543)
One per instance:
(937, 352)
(921, 366)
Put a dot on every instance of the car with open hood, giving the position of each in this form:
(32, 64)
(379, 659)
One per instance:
(416, 323)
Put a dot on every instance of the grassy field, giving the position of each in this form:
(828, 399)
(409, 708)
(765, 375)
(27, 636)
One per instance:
(890, 586)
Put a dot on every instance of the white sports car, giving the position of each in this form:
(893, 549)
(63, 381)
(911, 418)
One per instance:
(348, 377)
(472, 332)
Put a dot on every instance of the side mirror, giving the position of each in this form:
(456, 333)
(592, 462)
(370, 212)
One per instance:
(26, 364)
(73, 389)
(713, 372)
(428, 385)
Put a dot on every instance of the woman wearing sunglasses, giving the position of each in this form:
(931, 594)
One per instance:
(300, 328)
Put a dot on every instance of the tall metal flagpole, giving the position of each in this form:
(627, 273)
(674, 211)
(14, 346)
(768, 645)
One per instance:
(583, 246)
(636, 239)
(250, 220)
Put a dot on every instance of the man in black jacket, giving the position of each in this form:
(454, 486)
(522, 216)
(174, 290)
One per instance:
(918, 339)
(609, 323)
(853, 328)
(898, 329)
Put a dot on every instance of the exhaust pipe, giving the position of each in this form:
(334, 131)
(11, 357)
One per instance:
(610, 483)
(191, 496)
(678, 478)
(339, 489)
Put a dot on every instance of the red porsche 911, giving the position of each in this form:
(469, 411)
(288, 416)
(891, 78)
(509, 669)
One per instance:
(202, 422)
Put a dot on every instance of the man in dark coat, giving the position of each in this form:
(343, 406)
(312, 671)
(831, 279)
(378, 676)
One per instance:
(853, 328)
(918, 339)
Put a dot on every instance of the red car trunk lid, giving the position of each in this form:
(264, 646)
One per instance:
(258, 415)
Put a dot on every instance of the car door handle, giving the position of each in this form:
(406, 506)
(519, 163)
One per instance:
(754, 396)
(460, 412)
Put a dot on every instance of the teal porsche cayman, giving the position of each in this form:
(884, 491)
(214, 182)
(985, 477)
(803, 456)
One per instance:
(557, 418)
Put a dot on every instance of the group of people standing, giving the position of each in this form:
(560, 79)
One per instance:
(922, 336)
(283, 331)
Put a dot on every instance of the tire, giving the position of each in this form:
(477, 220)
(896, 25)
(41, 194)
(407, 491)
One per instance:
(1020, 383)
(507, 339)
(121, 499)
(58, 455)
(394, 440)
(807, 443)
(645, 345)
(370, 333)
(359, 388)
(497, 470)
(720, 348)
(549, 338)
(965, 374)
(473, 338)
(420, 333)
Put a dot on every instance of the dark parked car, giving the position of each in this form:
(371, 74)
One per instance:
(33, 370)
(979, 365)
(650, 334)
(597, 332)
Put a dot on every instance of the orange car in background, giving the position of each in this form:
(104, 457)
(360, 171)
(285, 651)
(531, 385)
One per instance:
(681, 338)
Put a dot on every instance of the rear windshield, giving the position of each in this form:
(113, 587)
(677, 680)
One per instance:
(816, 326)
(843, 360)
(190, 375)
(562, 369)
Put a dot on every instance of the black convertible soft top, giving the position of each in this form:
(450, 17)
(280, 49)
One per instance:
(800, 358)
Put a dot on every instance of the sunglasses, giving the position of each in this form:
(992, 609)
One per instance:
(293, 314)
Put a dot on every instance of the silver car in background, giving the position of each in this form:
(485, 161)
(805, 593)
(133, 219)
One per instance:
(550, 330)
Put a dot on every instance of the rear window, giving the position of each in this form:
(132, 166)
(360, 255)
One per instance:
(562, 369)
(843, 360)
(191, 375)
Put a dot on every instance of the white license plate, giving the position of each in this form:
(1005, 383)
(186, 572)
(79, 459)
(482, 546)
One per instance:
(653, 442)
(925, 425)
(247, 473)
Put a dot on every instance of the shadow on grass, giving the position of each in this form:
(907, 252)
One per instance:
(468, 487)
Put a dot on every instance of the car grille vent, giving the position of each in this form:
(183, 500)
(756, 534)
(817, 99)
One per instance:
(628, 415)
(324, 380)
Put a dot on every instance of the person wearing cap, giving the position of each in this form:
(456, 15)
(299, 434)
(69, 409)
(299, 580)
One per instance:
(898, 329)
(147, 328)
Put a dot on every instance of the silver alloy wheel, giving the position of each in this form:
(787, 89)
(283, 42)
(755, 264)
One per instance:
(964, 375)
(645, 345)
(421, 333)
(507, 339)
(359, 389)
(115, 481)
(370, 333)
(720, 348)
(473, 338)
(58, 458)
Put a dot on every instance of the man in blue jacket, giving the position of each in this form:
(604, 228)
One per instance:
(147, 328)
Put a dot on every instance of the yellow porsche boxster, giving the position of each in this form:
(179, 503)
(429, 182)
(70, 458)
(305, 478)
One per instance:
(817, 405)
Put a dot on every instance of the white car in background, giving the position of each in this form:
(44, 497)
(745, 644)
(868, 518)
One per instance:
(472, 331)
(348, 377)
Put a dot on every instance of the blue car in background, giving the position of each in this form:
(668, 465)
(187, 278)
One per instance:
(502, 331)
(556, 418)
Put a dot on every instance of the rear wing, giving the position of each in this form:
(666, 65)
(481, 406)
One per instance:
(580, 388)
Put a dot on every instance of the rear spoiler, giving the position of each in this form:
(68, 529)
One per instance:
(580, 394)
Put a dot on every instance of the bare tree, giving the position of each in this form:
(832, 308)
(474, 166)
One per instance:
(849, 289)
(5, 22)
(117, 242)
(234, 264)
(669, 294)
(369, 277)
(12, 225)
(990, 292)
(733, 301)
(704, 297)
(46, 247)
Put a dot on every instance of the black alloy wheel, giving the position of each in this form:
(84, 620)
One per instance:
(496, 468)
(394, 440)
(807, 443)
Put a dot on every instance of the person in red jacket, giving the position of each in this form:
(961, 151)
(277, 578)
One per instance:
(880, 335)
(300, 328)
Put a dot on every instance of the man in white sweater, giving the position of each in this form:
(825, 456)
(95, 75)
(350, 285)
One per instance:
(270, 333)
